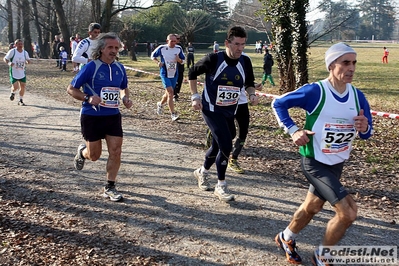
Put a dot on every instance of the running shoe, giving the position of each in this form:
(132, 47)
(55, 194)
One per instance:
(233, 165)
(79, 160)
(112, 194)
(21, 103)
(159, 108)
(208, 138)
(203, 179)
(222, 192)
(317, 261)
(289, 247)
(12, 96)
(174, 116)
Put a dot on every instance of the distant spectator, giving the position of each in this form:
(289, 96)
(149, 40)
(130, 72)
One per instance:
(59, 45)
(36, 50)
(215, 47)
(149, 49)
(190, 55)
(385, 57)
(267, 68)
(55, 51)
(63, 58)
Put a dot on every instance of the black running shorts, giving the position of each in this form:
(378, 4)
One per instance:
(97, 127)
(324, 180)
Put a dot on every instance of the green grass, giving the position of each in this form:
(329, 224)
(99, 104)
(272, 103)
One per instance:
(378, 81)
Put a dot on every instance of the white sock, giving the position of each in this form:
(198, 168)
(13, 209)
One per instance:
(222, 182)
(203, 170)
(288, 234)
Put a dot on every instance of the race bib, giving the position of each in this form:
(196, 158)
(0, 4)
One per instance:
(171, 69)
(109, 97)
(227, 95)
(337, 138)
(20, 65)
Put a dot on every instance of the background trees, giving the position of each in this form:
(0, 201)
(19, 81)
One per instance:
(283, 22)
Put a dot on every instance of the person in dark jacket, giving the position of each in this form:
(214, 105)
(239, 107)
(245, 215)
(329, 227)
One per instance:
(60, 44)
(180, 69)
(267, 67)
(54, 50)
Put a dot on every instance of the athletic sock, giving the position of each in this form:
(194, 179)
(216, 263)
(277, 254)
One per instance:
(203, 170)
(222, 182)
(110, 184)
(288, 234)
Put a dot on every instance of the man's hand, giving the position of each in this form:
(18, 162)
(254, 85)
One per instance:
(196, 104)
(94, 100)
(127, 102)
(361, 122)
(258, 86)
(300, 137)
(254, 99)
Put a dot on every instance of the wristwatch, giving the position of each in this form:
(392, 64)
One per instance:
(86, 98)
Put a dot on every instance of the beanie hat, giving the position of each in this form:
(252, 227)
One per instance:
(337, 50)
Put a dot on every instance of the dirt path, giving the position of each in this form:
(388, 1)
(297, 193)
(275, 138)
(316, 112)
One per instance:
(52, 214)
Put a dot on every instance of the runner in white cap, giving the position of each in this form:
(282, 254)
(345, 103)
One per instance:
(336, 112)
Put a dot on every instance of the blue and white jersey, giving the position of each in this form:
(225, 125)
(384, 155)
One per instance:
(84, 51)
(104, 80)
(168, 58)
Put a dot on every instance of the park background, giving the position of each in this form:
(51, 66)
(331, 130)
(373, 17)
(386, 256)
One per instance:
(50, 213)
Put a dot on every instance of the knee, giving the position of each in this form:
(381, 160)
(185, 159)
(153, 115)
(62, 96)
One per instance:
(115, 152)
(93, 156)
(348, 215)
(346, 211)
(312, 208)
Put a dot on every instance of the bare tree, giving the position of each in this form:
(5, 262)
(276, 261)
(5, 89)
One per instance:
(61, 22)
(10, 22)
(193, 22)
(25, 11)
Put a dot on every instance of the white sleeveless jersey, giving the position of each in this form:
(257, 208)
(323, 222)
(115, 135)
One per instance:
(17, 71)
(333, 124)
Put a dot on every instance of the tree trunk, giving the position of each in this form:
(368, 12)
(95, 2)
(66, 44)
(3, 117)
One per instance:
(96, 11)
(19, 23)
(282, 28)
(10, 24)
(106, 16)
(300, 41)
(37, 25)
(25, 10)
(62, 23)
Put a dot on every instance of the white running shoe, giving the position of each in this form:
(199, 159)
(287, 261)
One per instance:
(203, 179)
(174, 116)
(223, 193)
(159, 108)
(112, 194)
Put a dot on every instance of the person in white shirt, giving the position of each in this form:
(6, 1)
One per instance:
(17, 58)
(83, 53)
(74, 44)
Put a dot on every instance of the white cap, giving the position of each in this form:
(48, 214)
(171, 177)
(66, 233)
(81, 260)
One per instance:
(336, 51)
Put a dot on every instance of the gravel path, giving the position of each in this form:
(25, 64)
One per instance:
(51, 214)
